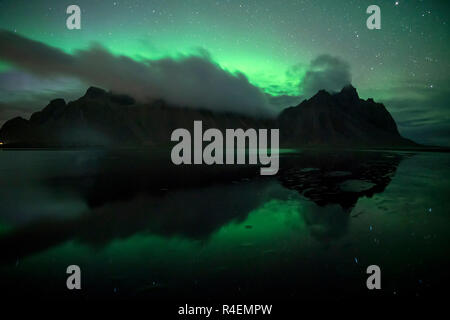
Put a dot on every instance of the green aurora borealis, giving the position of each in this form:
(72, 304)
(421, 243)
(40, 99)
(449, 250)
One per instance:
(405, 64)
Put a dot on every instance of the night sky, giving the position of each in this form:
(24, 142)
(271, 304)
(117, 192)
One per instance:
(271, 52)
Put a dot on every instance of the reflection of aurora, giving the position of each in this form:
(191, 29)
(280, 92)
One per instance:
(220, 234)
(207, 201)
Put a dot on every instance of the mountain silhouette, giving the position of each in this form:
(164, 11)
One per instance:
(102, 118)
(340, 119)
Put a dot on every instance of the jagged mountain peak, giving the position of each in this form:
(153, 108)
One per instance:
(101, 117)
(340, 119)
(349, 89)
(321, 94)
(349, 92)
(95, 92)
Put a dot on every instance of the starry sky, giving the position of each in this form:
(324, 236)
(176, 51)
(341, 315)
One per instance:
(284, 49)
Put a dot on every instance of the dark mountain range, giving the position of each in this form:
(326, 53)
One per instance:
(101, 118)
(340, 119)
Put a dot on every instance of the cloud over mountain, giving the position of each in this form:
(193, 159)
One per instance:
(193, 81)
(326, 72)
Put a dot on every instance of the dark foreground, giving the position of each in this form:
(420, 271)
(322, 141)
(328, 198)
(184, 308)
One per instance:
(141, 229)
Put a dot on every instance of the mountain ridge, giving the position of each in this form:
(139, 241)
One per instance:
(335, 119)
(101, 118)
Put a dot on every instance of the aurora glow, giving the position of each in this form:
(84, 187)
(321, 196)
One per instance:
(404, 64)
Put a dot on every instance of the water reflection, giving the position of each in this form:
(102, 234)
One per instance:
(339, 177)
(194, 202)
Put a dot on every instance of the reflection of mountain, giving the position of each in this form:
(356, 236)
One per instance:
(339, 177)
(152, 197)
(326, 223)
(105, 119)
(194, 213)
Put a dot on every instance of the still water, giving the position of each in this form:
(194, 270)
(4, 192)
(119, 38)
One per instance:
(141, 228)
